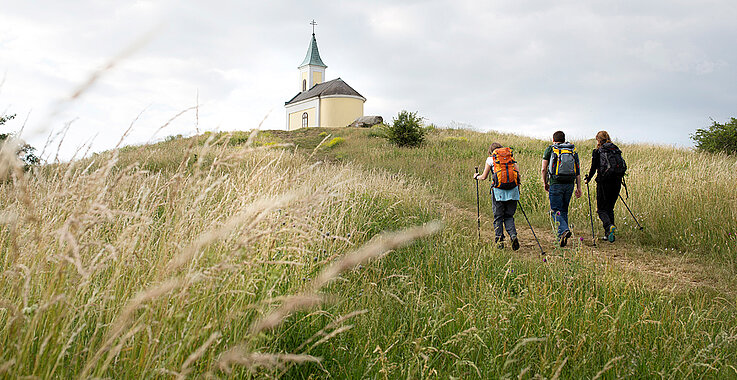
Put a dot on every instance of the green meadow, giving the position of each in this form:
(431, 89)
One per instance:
(328, 253)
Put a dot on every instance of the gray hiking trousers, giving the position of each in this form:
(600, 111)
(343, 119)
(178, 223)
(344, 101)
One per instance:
(503, 218)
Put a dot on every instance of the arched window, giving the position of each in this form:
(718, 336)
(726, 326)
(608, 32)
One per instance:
(304, 84)
(304, 120)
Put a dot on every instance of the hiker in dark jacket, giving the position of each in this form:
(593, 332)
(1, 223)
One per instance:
(607, 163)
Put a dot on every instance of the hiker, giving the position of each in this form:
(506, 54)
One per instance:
(560, 171)
(609, 166)
(504, 192)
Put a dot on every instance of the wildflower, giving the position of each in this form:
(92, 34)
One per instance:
(581, 239)
(557, 213)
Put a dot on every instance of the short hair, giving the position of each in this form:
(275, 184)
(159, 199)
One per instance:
(559, 136)
(494, 146)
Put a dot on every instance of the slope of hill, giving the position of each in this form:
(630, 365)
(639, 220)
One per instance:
(229, 257)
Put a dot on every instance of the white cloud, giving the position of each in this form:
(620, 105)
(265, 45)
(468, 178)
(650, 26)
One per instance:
(638, 68)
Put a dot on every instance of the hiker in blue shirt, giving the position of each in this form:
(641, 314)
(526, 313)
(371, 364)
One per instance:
(504, 192)
(560, 171)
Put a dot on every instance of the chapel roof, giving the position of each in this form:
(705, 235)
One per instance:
(313, 55)
(333, 87)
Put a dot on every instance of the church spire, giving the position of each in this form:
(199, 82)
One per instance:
(313, 55)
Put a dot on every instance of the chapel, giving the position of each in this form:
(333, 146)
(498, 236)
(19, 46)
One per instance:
(318, 103)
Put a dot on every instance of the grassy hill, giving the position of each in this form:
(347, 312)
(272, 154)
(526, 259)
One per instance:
(231, 255)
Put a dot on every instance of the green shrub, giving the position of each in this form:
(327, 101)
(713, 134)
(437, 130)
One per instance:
(335, 141)
(323, 134)
(718, 138)
(406, 130)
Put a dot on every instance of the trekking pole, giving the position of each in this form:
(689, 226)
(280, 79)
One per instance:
(478, 205)
(633, 215)
(542, 253)
(591, 217)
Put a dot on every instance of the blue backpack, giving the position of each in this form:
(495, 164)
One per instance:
(563, 166)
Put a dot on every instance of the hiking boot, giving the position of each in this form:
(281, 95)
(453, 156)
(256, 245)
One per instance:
(610, 236)
(564, 238)
(499, 243)
(604, 238)
(515, 243)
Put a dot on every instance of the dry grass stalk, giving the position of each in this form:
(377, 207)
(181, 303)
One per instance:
(607, 367)
(255, 212)
(378, 246)
(185, 370)
(254, 360)
(329, 326)
(121, 323)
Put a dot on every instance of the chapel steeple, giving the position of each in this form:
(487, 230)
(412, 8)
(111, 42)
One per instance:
(312, 68)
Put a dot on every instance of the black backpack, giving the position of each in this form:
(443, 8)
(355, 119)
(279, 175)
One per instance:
(611, 163)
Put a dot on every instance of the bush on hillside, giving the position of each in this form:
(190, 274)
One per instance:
(406, 130)
(718, 138)
(25, 152)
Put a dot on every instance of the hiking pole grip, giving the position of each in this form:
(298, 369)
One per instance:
(478, 205)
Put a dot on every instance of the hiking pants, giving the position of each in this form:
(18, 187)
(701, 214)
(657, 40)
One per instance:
(503, 218)
(607, 192)
(560, 197)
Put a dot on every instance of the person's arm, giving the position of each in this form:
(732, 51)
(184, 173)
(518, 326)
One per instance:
(544, 174)
(594, 166)
(485, 174)
(519, 175)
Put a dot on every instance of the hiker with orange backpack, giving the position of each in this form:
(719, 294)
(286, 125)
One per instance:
(561, 169)
(610, 167)
(504, 191)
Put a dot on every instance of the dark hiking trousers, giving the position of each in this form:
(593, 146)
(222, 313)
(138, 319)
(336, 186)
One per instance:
(504, 218)
(607, 192)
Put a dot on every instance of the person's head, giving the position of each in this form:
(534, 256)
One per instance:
(559, 137)
(494, 146)
(602, 138)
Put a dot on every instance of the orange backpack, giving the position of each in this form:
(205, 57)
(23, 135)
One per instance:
(505, 176)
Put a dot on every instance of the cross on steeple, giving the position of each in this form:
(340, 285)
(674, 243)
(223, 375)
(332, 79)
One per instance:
(313, 23)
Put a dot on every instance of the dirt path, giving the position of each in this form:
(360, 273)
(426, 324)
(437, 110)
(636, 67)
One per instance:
(665, 271)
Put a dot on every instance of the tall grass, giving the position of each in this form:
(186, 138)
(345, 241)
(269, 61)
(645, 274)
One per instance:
(211, 257)
(114, 270)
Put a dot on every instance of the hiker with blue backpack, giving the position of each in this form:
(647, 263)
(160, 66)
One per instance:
(610, 167)
(561, 171)
(504, 191)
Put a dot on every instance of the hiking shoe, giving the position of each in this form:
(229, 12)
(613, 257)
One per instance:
(610, 236)
(604, 238)
(515, 243)
(500, 245)
(564, 238)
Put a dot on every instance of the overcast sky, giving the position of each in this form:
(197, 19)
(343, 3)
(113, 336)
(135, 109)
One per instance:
(648, 70)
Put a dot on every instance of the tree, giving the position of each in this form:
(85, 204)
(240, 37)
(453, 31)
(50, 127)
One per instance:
(406, 130)
(718, 138)
(26, 153)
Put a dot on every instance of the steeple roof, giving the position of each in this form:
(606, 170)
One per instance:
(313, 55)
